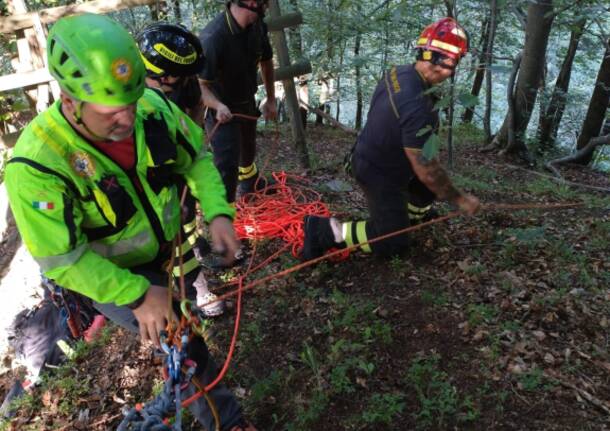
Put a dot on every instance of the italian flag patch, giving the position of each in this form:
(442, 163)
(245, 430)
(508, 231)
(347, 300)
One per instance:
(39, 205)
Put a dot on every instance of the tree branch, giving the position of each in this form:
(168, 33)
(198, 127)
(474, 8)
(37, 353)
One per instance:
(582, 154)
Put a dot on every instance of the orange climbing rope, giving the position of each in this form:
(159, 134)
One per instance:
(277, 211)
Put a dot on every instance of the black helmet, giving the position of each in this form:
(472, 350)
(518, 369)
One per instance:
(170, 49)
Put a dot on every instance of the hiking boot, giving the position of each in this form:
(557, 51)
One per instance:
(319, 237)
(216, 262)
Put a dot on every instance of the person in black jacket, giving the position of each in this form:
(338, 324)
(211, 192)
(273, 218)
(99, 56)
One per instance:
(235, 44)
(399, 182)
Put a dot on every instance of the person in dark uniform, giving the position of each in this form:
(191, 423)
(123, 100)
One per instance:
(235, 43)
(399, 182)
(173, 57)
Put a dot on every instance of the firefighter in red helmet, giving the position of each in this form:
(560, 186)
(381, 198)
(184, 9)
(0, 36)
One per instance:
(400, 184)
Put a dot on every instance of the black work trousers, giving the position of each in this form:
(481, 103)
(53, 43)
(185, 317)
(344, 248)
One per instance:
(389, 200)
(233, 145)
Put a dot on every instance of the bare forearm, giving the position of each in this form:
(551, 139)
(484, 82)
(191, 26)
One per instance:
(268, 78)
(209, 98)
(433, 176)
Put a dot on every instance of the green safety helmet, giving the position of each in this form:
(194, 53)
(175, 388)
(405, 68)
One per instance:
(94, 59)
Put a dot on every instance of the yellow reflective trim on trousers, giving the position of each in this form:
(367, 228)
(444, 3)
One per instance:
(347, 229)
(418, 210)
(187, 245)
(51, 262)
(361, 234)
(187, 267)
(247, 172)
(190, 225)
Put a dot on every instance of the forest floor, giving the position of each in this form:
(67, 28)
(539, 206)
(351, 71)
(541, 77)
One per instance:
(495, 322)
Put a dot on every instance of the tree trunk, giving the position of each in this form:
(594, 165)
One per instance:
(493, 14)
(597, 106)
(359, 103)
(294, 35)
(341, 57)
(177, 12)
(539, 21)
(480, 70)
(159, 11)
(547, 129)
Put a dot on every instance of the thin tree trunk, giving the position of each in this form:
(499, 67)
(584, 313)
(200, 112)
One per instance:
(549, 124)
(539, 21)
(341, 56)
(493, 11)
(597, 106)
(177, 12)
(359, 103)
(294, 35)
(511, 101)
(480, 70)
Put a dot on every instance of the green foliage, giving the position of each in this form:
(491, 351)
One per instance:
(431, 147)
(479, 313)
(382, 408)
(438, 298)
(439, 401)
(548, 187)
(471, 183)
(467, 100)
(533, 380)
(266, 387)
(307, 414)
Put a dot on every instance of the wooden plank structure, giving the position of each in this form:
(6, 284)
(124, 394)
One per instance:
(276, 24)
(31, 72)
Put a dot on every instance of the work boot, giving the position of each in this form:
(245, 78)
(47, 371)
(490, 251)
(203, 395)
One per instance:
(255, 185)
(215, 262)
(319, 237)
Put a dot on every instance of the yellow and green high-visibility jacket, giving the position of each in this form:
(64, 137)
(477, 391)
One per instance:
(85, 220)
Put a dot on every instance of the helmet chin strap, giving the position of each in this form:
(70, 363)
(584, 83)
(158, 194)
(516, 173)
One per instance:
(173, 85)
(259, 9)
(78, 118)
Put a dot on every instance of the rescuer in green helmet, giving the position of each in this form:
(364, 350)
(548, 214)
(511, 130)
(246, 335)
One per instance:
(91, 184)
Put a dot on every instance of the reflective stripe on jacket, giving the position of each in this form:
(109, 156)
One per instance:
(85, 220)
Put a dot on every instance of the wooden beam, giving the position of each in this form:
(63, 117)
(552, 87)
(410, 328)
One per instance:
(10, 139)
(13, 23)
(330, 119)
(281, 49)
(25, 79)
(281, 22)
(302, 67)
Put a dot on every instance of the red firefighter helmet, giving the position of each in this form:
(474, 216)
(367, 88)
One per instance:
(446, 37)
